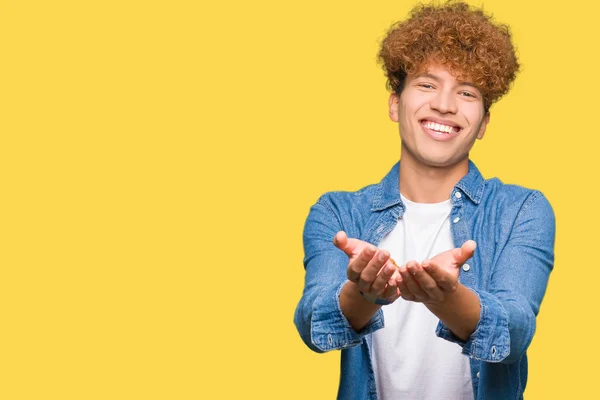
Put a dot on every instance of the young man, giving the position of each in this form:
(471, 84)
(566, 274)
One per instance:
(430, 281)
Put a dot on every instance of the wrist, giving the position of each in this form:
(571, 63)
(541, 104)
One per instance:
(357, 310)
(447, 301)
(373, 299)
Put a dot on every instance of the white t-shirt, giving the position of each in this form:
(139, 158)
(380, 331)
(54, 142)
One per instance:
(409, 360)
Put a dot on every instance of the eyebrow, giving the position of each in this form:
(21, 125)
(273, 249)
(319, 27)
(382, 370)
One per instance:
(437, 78)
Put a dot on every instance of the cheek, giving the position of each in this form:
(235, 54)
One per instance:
(474, 115)
(406, 125)
(407, 113)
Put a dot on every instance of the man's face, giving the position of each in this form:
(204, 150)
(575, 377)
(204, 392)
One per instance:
(439, 117)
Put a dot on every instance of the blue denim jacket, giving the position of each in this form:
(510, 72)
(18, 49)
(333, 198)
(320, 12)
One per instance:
(514, 229)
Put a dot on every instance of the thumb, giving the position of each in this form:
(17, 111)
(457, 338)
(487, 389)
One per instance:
(340, 240)
(465, 252)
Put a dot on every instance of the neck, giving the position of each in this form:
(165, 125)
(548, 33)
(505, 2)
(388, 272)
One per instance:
(426, 184)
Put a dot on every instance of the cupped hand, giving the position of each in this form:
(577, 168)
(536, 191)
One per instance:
(370, 268)
(433, 280)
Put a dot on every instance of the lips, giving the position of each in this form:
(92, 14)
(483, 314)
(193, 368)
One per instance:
(438, 130)
(439, 126)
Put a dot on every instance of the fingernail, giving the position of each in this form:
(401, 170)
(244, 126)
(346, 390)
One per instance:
(381, 256)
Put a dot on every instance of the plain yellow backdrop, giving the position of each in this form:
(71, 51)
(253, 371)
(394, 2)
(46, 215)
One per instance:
(158, 160)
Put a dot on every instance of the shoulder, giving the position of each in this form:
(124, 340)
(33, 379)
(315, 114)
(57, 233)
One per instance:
(343, 210)
(515, 199)
(368, 199)
(338, 201)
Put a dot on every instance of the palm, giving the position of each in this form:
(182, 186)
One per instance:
(356, 246)
(452, 260)
(446, 260)
(352, 247)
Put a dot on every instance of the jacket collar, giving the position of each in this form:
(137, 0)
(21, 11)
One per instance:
(387, 192)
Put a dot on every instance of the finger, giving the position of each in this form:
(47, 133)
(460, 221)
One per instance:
(443, 279)
(426, 282)
(369, 273)
(404, 292)
(382, 279)
(465, 252)
(412, 285)
(356, 266)
(340, 240)
(391, 291)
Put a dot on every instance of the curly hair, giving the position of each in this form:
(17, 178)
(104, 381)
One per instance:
(463, 39)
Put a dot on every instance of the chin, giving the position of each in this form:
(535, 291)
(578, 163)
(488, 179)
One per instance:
(433, 156)
(442, 162)
(439, 164)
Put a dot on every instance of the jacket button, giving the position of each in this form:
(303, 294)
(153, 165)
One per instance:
(456, 220)
(477, 375)
(457, 195)
(466, 267)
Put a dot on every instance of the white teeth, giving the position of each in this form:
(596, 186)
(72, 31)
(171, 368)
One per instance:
(439, 127)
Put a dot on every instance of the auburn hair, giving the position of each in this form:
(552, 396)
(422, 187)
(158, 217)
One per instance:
(462, 38)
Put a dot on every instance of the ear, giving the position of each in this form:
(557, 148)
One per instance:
(486, 120)
(393, 104)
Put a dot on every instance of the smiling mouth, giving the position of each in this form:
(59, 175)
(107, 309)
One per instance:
(440, 128)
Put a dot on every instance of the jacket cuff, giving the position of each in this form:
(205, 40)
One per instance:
(330, 330)
(490, 342)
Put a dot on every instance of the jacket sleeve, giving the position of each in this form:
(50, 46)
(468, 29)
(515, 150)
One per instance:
(318, 317)
(518, 283)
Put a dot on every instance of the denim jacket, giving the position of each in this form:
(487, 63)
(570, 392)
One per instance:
(514, 229)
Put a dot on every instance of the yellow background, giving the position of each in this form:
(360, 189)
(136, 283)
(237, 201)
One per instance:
(158, 159)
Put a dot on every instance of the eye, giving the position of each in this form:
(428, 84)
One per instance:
(468, 94)
(426, 85)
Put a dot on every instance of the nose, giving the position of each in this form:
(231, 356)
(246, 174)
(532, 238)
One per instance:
(444, 102)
